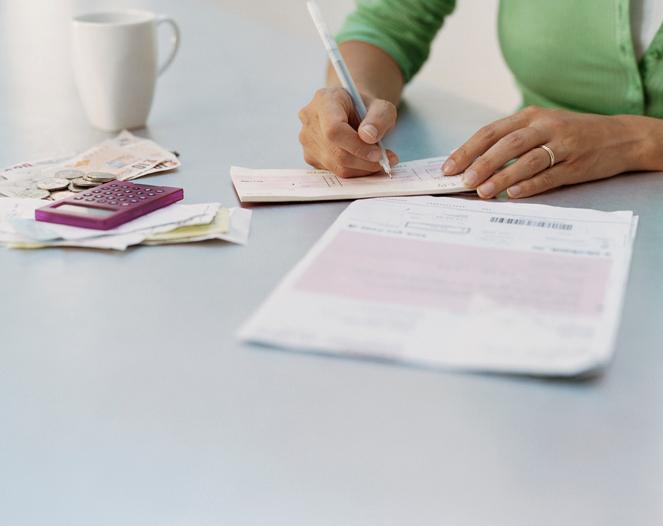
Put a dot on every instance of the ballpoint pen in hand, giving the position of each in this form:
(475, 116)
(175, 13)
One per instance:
(343, 73)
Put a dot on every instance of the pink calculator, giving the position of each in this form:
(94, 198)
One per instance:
(109, 205)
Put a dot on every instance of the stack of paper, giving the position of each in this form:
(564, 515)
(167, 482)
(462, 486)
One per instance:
(423, 177)
(178, 223)
(458, 284)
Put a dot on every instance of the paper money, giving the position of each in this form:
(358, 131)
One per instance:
(8, 172)
(22, 180)
(124, 157)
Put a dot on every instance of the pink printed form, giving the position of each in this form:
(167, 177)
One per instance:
(441, 275)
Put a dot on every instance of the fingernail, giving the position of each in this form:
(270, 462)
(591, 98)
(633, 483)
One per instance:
(370, 131)
(470, 178)
(374, 156)
(514, 191)
(487, 189)
(449, 167)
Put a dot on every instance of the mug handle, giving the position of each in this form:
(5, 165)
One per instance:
(175, 41)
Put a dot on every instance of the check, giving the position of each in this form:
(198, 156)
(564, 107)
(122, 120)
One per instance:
(460, 284)
(422, 177)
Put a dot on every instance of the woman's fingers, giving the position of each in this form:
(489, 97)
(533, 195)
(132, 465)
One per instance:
(380, 118)
(528, 165)
(515, 144)
(516, 153)
(337, 133)
(345, 165)
(340, 135)
(481, 141)
(546, 180)
(330, 140)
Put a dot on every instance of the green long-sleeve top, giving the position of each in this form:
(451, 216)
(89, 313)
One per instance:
(573, 54)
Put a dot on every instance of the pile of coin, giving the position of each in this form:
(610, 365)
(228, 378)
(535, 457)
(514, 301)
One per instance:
(66, 183)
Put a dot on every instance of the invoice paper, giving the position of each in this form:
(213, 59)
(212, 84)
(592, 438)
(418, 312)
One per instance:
(456, 283)
(423, 177)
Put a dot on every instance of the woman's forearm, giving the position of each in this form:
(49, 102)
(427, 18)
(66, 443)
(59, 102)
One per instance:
(376, 74)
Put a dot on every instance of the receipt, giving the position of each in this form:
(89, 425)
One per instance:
(423, 177)
(19, 229)
(458, 284)
(161, 220)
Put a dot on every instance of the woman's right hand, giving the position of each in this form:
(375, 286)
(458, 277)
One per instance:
(334, 141)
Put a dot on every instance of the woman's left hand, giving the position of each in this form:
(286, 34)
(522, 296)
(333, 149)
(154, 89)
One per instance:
(585, 147)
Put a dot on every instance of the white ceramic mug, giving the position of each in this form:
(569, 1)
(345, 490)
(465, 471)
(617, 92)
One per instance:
(115, 64)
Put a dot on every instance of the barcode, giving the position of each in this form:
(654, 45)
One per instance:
(531, 222)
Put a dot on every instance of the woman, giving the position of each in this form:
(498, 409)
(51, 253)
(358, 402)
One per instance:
(590, 72)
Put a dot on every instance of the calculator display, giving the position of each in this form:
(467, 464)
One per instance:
(85, 210)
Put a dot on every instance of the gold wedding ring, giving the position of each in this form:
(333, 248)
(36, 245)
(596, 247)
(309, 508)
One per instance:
(551, 154)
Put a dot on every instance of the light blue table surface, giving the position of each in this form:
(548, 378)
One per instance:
(125, 398)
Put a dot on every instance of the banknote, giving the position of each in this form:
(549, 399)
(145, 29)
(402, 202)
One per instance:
(8, 173)
(124, 157)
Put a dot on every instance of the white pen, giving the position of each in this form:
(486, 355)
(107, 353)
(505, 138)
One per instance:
(343, 73)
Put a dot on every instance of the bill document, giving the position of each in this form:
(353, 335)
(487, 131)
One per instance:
(458, 284)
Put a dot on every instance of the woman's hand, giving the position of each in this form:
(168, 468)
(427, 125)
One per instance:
(585, 146)
(333, 140)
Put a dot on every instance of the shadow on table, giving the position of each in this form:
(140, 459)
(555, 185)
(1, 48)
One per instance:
(582, 381)
(423, 130)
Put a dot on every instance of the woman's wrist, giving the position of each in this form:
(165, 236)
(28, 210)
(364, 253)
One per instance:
(643, 142)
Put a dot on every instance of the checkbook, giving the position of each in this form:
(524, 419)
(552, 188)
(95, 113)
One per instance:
(458, 284)
(421, 177)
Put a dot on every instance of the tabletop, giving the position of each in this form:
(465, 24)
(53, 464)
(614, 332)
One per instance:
(125, 397)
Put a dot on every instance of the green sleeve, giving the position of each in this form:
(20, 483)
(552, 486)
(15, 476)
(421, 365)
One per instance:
(402, 28)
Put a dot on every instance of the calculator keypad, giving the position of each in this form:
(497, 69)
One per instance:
(119, 194)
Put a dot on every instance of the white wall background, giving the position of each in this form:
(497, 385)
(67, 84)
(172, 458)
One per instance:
(466, 58)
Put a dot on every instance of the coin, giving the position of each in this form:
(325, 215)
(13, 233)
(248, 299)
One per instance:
(75, 189)
(33, 193)
(57, 196)
(85, 183)
(53, 183)
(100, 177)
(69, 174)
